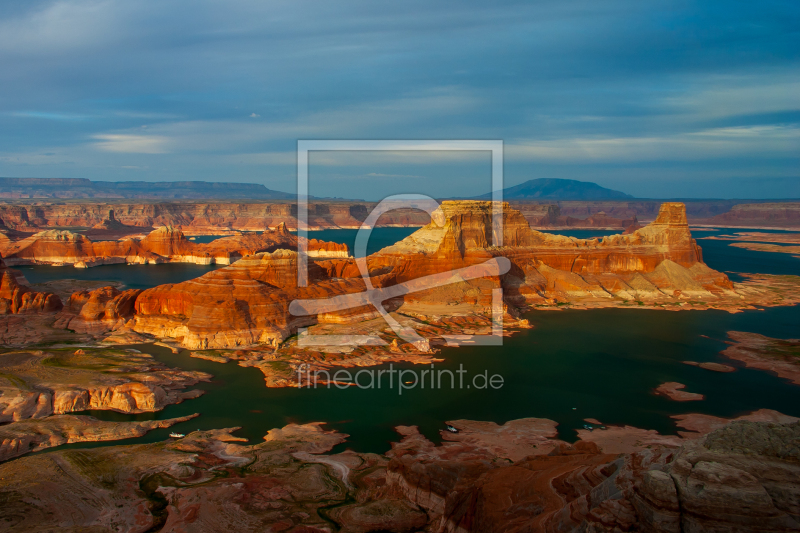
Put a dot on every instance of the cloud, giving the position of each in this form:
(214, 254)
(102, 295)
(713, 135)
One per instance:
(583, 84)
(754, 141)
(49, 116)
(134, 144)
(379, 175)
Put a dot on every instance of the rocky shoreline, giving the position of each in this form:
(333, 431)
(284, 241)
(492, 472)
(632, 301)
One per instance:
(487, 478)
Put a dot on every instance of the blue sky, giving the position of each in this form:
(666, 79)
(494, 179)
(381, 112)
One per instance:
(658, 99)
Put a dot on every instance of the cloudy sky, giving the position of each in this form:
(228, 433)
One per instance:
(658, 99)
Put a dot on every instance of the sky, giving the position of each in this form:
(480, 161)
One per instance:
(659, 99)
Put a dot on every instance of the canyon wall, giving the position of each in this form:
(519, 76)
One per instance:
(218, 217)
(198, 218)
(760, 215)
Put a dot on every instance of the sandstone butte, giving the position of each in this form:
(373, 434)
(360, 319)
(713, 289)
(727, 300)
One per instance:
(248, 301)
(17, 298)
(165, 244)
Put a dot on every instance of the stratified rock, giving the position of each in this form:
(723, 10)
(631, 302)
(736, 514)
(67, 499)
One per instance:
(164, 244)
(98, 311)
(243, 304)
(740, 478)
(249, 301)
(16, 298)
(19, 438)
(760, 215)
(38, 384)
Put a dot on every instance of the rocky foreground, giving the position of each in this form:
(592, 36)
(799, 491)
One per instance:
(488, 478)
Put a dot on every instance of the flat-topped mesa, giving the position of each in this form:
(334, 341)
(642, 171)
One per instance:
(462, 228)
(660, 260)
(166, 241)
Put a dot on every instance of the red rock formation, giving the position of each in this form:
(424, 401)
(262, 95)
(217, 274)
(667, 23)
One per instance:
(165, 244)
(200, 218)
(19, 438)
(661, 260)
(98, 311)
(248, 302)
(740, 478)
(242, 304)
(771, 215)
(18, 298)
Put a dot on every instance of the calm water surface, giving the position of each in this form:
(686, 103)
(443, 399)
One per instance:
(573, 365)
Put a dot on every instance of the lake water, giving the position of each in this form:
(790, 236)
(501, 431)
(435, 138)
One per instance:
(574, 364)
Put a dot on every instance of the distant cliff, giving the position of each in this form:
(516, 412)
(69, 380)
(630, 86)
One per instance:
(28, 188)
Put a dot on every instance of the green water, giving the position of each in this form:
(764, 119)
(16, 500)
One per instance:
(133, 276)
(603, 363)
(379, 238)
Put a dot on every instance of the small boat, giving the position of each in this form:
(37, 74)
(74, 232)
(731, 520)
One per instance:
(451, 429)
(177, 435)
(587, 426)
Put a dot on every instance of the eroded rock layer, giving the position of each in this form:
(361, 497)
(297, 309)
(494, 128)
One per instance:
(165, 244)
(17, 298)
(37, 384)
(248, 302)
(487, 478)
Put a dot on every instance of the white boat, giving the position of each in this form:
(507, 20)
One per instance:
(177, 435)
(451, 429)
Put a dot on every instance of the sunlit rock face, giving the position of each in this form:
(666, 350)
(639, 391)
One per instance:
(248, 302)
(97, 311)
(16, 297)
(162, 245)
(242, 304)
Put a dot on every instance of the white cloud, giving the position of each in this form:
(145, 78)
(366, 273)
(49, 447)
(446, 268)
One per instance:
(135, 144)
(725, 96)
(62, 27)
(704, 144)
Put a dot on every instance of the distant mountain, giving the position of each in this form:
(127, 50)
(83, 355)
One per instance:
(557, 189)
(29, 188)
